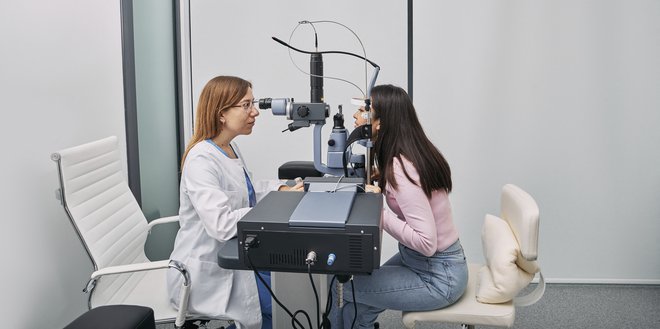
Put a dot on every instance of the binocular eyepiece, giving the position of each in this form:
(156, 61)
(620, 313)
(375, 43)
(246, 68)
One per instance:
(303, 113)
(280, 106)
(264, 103)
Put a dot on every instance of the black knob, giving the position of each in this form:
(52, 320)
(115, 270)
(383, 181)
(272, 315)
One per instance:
(331, 142)
(303, 111)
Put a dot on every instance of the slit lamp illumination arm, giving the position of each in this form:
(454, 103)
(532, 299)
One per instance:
(367, 98)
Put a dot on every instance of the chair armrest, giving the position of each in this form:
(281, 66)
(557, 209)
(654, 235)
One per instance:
(131, 268)
(185, 286)
(162, 220)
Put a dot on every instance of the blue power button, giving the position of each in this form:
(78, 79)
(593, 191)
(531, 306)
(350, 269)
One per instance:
(331, 259)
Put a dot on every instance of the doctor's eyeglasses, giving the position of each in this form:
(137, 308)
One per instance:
(247, 105)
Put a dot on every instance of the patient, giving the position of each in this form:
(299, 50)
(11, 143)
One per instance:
(216, 191)
(429, 271)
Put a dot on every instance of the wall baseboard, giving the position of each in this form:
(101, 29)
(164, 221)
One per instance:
(600, 281)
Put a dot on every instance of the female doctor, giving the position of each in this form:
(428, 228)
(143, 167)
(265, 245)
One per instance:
(216, 191)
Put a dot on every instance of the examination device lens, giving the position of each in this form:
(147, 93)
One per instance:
(280, 106)
(265, 103)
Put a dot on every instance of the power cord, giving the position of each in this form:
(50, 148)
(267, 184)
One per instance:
(294, 322)
(316, 294)
(328, 307)
(252, 241)
(295, 314)
(341, 279)
(354, 303)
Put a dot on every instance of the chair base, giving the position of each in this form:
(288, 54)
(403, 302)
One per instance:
(115, 317)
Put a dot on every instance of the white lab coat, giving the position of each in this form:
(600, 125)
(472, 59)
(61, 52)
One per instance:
(213, 197)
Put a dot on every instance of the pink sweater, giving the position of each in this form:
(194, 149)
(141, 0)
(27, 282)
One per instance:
(422, 224)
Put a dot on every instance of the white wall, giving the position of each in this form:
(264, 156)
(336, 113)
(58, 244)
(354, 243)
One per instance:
(558, 97)
(561, 98)
(60, 85)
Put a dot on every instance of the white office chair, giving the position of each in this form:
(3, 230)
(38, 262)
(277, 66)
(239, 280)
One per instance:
(113, 230)
(521, 212)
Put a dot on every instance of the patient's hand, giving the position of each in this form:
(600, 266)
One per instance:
(372, 188)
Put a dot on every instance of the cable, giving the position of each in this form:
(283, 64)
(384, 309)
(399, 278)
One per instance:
(316, 47)
(337, 185)
(364, 51)
(316, 295)
(328, 306)
(351, 185)
(293, 317)
(354, 303)
(316, 37)
(337, 188)
(311, 23)
(325, 52)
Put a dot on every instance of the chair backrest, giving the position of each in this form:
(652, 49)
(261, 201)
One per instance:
(522, 213)
(100, 205)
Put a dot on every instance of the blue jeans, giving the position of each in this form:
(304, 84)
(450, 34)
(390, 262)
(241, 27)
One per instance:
(265, 301)
(409, 281)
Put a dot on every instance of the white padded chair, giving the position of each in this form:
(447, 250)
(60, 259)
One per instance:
(113, 230)
(521, 212)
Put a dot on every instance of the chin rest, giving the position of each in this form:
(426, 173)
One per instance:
(302, 169)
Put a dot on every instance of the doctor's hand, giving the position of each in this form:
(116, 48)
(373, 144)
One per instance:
(371, 188)
(299, 187)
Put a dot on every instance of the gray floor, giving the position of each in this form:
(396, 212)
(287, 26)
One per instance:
(567, 306)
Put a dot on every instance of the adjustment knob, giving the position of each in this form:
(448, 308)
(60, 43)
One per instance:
(303, 111)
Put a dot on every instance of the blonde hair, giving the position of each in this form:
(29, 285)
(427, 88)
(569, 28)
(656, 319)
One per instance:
(218, 95)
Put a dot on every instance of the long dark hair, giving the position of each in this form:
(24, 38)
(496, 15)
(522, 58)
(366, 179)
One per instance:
(401, 134)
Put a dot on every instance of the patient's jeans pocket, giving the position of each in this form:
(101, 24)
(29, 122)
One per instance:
(445, 272)
(450, 271)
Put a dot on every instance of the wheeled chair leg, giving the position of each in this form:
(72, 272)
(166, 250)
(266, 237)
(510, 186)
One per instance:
(190, 324)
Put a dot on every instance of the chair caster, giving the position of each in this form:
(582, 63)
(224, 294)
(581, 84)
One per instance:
(190, 324)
